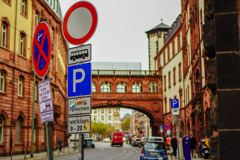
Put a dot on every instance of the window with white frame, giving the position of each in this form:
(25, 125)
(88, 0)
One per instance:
(95, 118)
(23, 7)
(102, 111)
(95, 111)
(2, 81)
(22, 43)
(102, 118)
(93, 87)
(137, 87)
(36, 17)
(106, 87)
(153, 87)
(4, 36)
(20, 86)
(122, 87)
(109, 118)
(1, 129)
(110, 111)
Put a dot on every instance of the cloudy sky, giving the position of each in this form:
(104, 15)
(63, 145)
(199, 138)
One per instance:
(120, 35)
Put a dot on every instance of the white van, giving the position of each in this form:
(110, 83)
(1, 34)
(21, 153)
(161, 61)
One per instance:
(155, 139)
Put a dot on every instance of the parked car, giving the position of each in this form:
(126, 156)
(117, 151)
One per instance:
(117, 138)
(155, 139)
(142, 142)
(154, 151)
(136, 141)
(88, 142)
(106, 140)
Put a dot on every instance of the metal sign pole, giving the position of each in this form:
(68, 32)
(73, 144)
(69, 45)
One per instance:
(34, 79)
(177, 140)
(80, 154)
(49, 141)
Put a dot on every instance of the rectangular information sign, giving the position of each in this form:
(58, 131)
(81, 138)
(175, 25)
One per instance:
(45, 101)
(79, 124)
(81, 105)
(79, 54)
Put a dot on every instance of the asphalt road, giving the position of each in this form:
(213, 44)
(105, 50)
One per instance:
(104, 151)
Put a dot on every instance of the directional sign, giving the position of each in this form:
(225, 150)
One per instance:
(79, 22)
(45, 101)
(168, 126)
(81, 105)
(79, 124)
(79, 54)
(175, 107)
(41, 49)
(79, 80)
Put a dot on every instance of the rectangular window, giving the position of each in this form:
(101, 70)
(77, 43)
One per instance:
(174, 76)
(95, 118)
(165, 83)
(173, 48)
(169, 79)
(21, 52)
(179, 71)
(164, 58)
(168, 51)
(170, 108)
(23, 7)
(165, 105)
(102, 118)
(109, 111)
(20, 86)
(1, 129)
(36, 18)
(4, 36)
(109, 118)
(2, 81)
(102, 111)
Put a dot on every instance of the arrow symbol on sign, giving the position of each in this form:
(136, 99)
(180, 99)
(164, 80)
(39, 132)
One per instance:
(39, 36)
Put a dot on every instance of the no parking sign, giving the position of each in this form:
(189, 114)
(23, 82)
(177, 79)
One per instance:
(41, 49)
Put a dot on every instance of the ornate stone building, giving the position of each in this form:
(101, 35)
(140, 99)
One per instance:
(19, 20)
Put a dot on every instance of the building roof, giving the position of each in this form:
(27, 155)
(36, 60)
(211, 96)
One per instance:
(162, 27)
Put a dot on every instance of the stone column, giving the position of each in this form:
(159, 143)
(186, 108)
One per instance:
(228, 77)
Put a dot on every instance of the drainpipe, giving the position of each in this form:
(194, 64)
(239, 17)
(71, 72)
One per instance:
(14, 60)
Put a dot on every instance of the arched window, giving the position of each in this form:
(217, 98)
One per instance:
(153, 87)
(20, 86)
(5, 33)
(18, 135)
(1, 129)
(122, 87)
(2, 80)
(137, 87)
(93, 87)
(106, 87)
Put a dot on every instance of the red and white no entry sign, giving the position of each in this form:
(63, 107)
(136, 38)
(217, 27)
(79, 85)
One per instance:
(79, 23)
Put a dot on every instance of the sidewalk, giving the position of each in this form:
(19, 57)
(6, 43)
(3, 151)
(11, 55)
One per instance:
(41, 155)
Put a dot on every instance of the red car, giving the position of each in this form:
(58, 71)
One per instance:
(117, 138)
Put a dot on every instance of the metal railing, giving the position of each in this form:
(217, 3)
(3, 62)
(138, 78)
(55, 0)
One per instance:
(125, 73)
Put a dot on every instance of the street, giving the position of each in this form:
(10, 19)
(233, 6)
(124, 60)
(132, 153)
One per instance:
(105, 151)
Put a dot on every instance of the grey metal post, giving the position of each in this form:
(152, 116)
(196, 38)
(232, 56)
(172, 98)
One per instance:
(177, 141)
(49, 141)
(33, 105)
(80, 154)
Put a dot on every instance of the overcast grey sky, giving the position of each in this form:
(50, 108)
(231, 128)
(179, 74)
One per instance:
(120, 35)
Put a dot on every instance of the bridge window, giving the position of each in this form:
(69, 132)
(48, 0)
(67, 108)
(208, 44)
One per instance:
(106, 87)
(153, 87)
(93, 87)
(137, 87)
(122, 87)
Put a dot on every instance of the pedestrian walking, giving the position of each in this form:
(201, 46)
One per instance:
(193, 143)
(60, 145)
(174, 146)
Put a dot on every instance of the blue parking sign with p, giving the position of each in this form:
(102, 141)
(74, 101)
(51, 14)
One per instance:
(79, 80)
(174, 103)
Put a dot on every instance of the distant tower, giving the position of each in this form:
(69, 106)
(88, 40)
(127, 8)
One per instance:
(155, 42)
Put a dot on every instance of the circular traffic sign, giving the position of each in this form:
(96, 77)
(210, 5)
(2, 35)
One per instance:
(79, 23)
(168, 126)
(41, 49)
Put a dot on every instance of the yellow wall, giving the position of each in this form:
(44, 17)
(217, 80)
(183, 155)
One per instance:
(23, 24)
